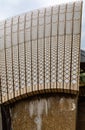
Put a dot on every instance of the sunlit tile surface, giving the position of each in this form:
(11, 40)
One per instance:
(39, 51)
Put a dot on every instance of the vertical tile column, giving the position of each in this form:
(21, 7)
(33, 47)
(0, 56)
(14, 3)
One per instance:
(4, 90)
(15, 56)
(34, 51)
(28, 45)
(9, 58)
(21, 54)
(47, 48)
(54, 47)
(68, 47)
(76, 47)
(41, 47)
(61, 44)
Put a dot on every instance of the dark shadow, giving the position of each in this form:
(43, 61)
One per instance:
(6, 119)
(81, 114)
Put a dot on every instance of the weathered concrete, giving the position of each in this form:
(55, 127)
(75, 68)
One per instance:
(47, 113)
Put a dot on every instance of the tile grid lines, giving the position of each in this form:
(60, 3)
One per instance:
(25, 53)
(57, 48)
(73, 87)
(44, 48)
(12, 59)
(64, 46)
(71, 44)
(27, 28)
(80, 44)
(37, 53)
(18, 56)
(35, 39)
(31, 52)
(50, 43)
(5, 59)
(47, 55)
(41, 25)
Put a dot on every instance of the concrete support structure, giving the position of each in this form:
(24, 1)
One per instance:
(57, 112)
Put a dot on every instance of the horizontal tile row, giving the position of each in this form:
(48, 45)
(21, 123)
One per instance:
(20, 36)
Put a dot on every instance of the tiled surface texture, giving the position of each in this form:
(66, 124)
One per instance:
(39, 51)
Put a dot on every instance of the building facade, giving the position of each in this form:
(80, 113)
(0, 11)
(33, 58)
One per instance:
(40, 67)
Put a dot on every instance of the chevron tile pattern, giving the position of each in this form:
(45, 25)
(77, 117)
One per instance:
(39, 51)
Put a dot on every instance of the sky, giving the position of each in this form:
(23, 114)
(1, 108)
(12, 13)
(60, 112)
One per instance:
(9, 8)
